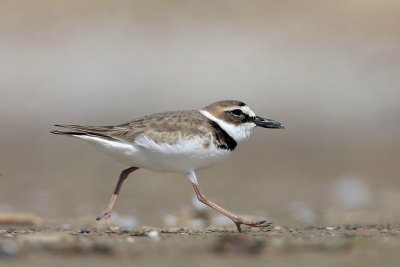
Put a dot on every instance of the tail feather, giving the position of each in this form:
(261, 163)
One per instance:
(85, 128)
(77, 130)
(68, 132)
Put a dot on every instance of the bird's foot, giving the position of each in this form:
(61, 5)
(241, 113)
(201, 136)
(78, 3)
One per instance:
(106, 217)
(239, 221)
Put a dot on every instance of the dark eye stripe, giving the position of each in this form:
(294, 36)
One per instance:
(237, 112)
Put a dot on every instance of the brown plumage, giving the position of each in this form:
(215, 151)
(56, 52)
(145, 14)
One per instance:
(167, 127)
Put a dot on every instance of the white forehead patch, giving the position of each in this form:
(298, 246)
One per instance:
(245, 110)
(248, 111)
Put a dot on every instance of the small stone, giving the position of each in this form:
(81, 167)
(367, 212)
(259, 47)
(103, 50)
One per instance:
(84, 230)
(154, 235)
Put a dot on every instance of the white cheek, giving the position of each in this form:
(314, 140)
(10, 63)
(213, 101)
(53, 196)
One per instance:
(240, 133)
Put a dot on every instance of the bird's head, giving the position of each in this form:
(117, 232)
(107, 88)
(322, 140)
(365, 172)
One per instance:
(237, 119)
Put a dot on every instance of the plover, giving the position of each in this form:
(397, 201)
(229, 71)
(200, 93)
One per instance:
(177, 141)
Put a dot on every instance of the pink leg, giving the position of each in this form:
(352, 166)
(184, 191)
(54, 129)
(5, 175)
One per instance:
(236, 219)
(107, 213)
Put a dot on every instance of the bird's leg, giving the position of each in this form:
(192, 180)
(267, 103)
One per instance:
(236, 219)
(107, 213)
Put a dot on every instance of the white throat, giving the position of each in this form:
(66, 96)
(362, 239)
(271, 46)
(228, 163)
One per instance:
(238, 132)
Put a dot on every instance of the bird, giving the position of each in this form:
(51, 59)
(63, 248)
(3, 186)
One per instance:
(175, 141)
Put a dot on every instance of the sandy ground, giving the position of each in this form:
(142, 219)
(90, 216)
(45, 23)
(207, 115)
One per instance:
(344, 245)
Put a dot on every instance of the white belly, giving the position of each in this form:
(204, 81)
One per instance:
(188, 155)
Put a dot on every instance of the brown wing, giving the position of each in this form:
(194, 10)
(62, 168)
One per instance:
(167, 127)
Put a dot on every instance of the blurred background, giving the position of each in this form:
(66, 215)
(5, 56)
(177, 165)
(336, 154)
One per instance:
(329, 71)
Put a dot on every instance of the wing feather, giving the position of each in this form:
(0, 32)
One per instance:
(166, 128)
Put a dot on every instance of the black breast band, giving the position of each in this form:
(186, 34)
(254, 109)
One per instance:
(224, 140)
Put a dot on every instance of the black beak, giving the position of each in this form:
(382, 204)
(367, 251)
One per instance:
(267, 123)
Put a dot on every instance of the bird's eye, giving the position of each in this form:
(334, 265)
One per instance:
(237, 112)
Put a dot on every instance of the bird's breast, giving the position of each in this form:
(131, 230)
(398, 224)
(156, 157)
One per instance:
(186, 155)
(183, 156)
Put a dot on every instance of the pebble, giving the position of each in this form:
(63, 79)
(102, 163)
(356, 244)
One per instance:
(84, 230)
(155, 235)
